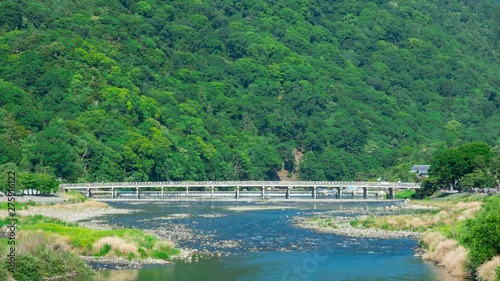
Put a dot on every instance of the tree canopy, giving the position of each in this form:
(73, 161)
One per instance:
(222, 90)
(472, 165)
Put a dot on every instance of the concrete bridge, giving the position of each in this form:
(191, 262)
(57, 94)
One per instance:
(237, 189)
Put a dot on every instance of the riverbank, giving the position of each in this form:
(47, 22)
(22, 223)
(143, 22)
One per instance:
(67, 232)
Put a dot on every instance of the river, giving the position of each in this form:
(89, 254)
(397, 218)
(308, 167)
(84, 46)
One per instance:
(258, 241)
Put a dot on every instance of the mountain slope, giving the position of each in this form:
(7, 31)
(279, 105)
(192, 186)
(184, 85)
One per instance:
(194, 90)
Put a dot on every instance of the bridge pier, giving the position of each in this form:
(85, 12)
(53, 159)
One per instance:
(212, 191)
(137, 192)
(314, 193)
(162, 192)
(391, 193)
(365, 193)
(113, 193)
(263, 192)
(89, 194)
(237, 196)
(287, 196)
(187, 191)
(339, 192)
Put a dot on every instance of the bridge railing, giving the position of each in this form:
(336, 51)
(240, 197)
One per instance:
(292, 184)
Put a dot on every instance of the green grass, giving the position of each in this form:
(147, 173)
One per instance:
(75, 197)
(104, 250)
(18, 205)
(404, 194)
(82, 239)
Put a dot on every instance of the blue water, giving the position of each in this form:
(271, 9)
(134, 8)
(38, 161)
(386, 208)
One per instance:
(266, 246)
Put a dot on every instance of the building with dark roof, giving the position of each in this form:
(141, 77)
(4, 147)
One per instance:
(421, 170)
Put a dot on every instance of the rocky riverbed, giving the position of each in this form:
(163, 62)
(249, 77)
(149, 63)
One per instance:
(339, 222)
(340, 225)
(86, 211)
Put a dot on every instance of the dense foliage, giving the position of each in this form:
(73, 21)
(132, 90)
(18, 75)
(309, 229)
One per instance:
(481, 235)
(210, 90)
(473, 165)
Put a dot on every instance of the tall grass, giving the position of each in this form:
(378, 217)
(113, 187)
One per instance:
(489, 270)
(422, 221)
(115, 246)
(445, 252)
(473, 226)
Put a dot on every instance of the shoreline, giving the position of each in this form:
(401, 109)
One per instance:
(88, 214)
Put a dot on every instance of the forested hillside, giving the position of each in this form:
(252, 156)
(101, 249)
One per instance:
(128, 90)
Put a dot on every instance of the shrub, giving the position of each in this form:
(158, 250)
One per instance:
(43, 255)
(28, 268)
(104, 250)
(157, 254)
(481, 235)
(370, 221)
(76, 197)
(3, 266)
(405, 194)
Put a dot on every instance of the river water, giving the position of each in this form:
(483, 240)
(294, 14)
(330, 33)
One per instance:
(258, 241)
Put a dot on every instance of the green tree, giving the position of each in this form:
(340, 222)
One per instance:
(44, 183)
(10, 15)
(450, 165)
(478, 179)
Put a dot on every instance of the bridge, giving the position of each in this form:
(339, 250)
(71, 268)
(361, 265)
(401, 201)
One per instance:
(237, 189)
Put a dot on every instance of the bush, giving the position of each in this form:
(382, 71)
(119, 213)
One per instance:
(43, 255)
(427, 188)
(355, 222)
(3, 271)
(76, 197)
(482, 234)
(28, 268)
(405, 194)
(157, 254)
(104, 250)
